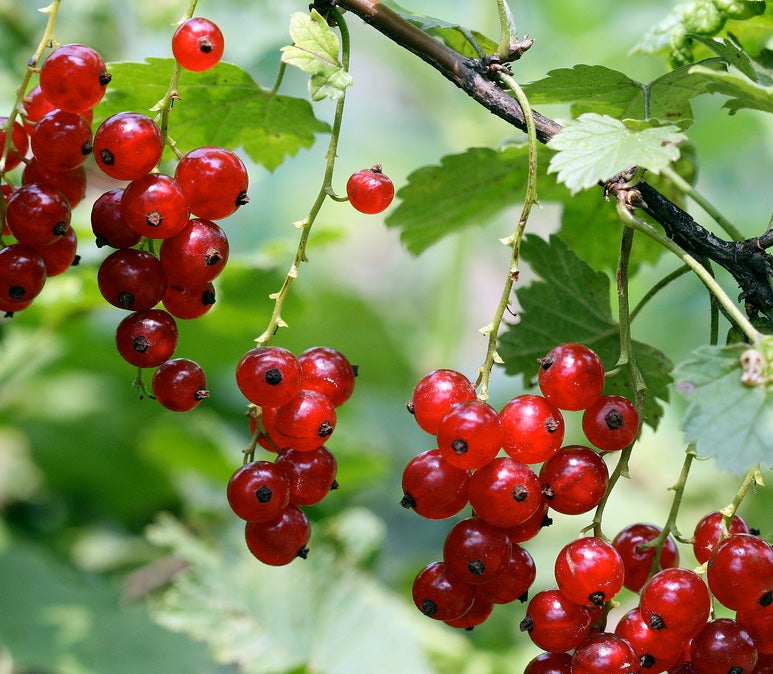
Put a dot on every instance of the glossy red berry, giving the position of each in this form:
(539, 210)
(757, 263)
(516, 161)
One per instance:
(329, 372)
(638, 560)
(60, 255)
(439, 595)
(37, 214)
(269, 376)
(475, 551)
(611, 423)
(198, 44)
(19, 143)
(759, 624)
(189, 301)
(370, 191)
(550, 663)
(197, 254)
(22, 276)
(574, 480)
(215, 180)
(528, 529)
(571, 376)
(554, 623)
(514, 579)
(155, 206)
(279, 541)
(656, 652)
(723, 647)
(307, 420)
(258, 491)
(740, 572)
(677, 600)
(477, 614)
(61, 140)
(73, 78)
(107, 223)
(127, 145)
(436, 393)
(131, 279)
(505, 492)
(589, 571)
(605, 653)
(708, 531)
(533, 428)
(36, 106)
(71, 183)
(179, 384)
(311, 475)
(434, 488)
(146, 338)
(470, 435)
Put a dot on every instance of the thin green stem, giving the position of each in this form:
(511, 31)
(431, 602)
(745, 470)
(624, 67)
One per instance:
(753, 477)
(631, 220)
(514, 240)
(326, 190)
(660, 285)
(685, 187)
(279, 77)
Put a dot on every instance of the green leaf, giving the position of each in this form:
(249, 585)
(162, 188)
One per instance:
(222, 106)
(453, 35)
(731, 53)
(609, 92)
(315, 51)
(571, 303)
(725, 418)
(596, 147)
(744, 92)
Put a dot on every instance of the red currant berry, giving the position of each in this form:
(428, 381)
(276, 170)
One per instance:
(436, 393)
(655, 651)
(22, 276)
(215, 180)
(72, 183)
(198, 44)
(108, 225)
(74, 77)
(589, 571)
(19, 143)
(329, 372)
(434, 488)
(155, 206)
(269, 376)
(475, 551)
(708, 531)
(311, 475)
(574, 480)
(477, 614)
(37, 214)
(571, 376)
(677, 600)
(513, 580)
(60, 255)
(279, 541)
(527, 530)
(723, 647)
(470, 435)
(370, 191)
(505, 492)
(605, 653)
(550, 663)
(308, 420)
(439, 595)
(61, 140)
(179, 384)
(533, 428)
(131, 279)
(740, 572)
(637, 559)
(127, 145)
(611, 423)
(146, 338)
(554, 623)
(258, 491)
(189, 302)
(195, 255)
(759, 624)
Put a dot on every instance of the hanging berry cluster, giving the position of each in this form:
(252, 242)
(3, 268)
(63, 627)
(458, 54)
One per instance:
(293, 414)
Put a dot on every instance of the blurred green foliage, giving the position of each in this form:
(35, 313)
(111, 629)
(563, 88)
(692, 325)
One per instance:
(87, 469)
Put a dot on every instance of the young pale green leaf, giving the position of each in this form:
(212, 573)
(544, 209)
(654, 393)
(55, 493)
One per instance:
(571, 303)
(744, 92)
(315, 51)
(596, 147)
(726, 419)
(221, 106)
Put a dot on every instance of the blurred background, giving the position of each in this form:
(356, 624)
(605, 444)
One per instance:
(118, 552)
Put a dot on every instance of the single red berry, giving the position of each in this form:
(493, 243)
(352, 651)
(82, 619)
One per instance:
(677, 600)
(475, 551)
(513, 580)
(61, 140)
(189, 301)
(131, 279)
(22, 276)
(73, 78)
(308, 420)
(550, 663)
(611, 423)
(60, 255)
(37, 106)
(370, 191)
(605, 653)
(723, 647)
(505, 492)
(179, 384)
(571, 376)
(589, 571)
(71, 183)
(533, 428)
(477, 614)
(258, 491)
(439, 595)
(215, 180)
(269, 376)
(470, 435)
(107, 223)
(329, 372)
(127, 145)
(37, 214)
(656, 652)
(759, 624)
(279, 541)
(528, 529)
(198, 44)
(146, 338)
(311, 475)
(637, 559)
(197, 254)
(554, 623)
(19, 143)
(740, 572)
(574, 480)
(432, 487)
(436, 393)
(155, 206)
(708, 531)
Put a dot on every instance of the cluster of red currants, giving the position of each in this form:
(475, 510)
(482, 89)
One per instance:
(57, 129)
(483, 563)
(292, 414)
